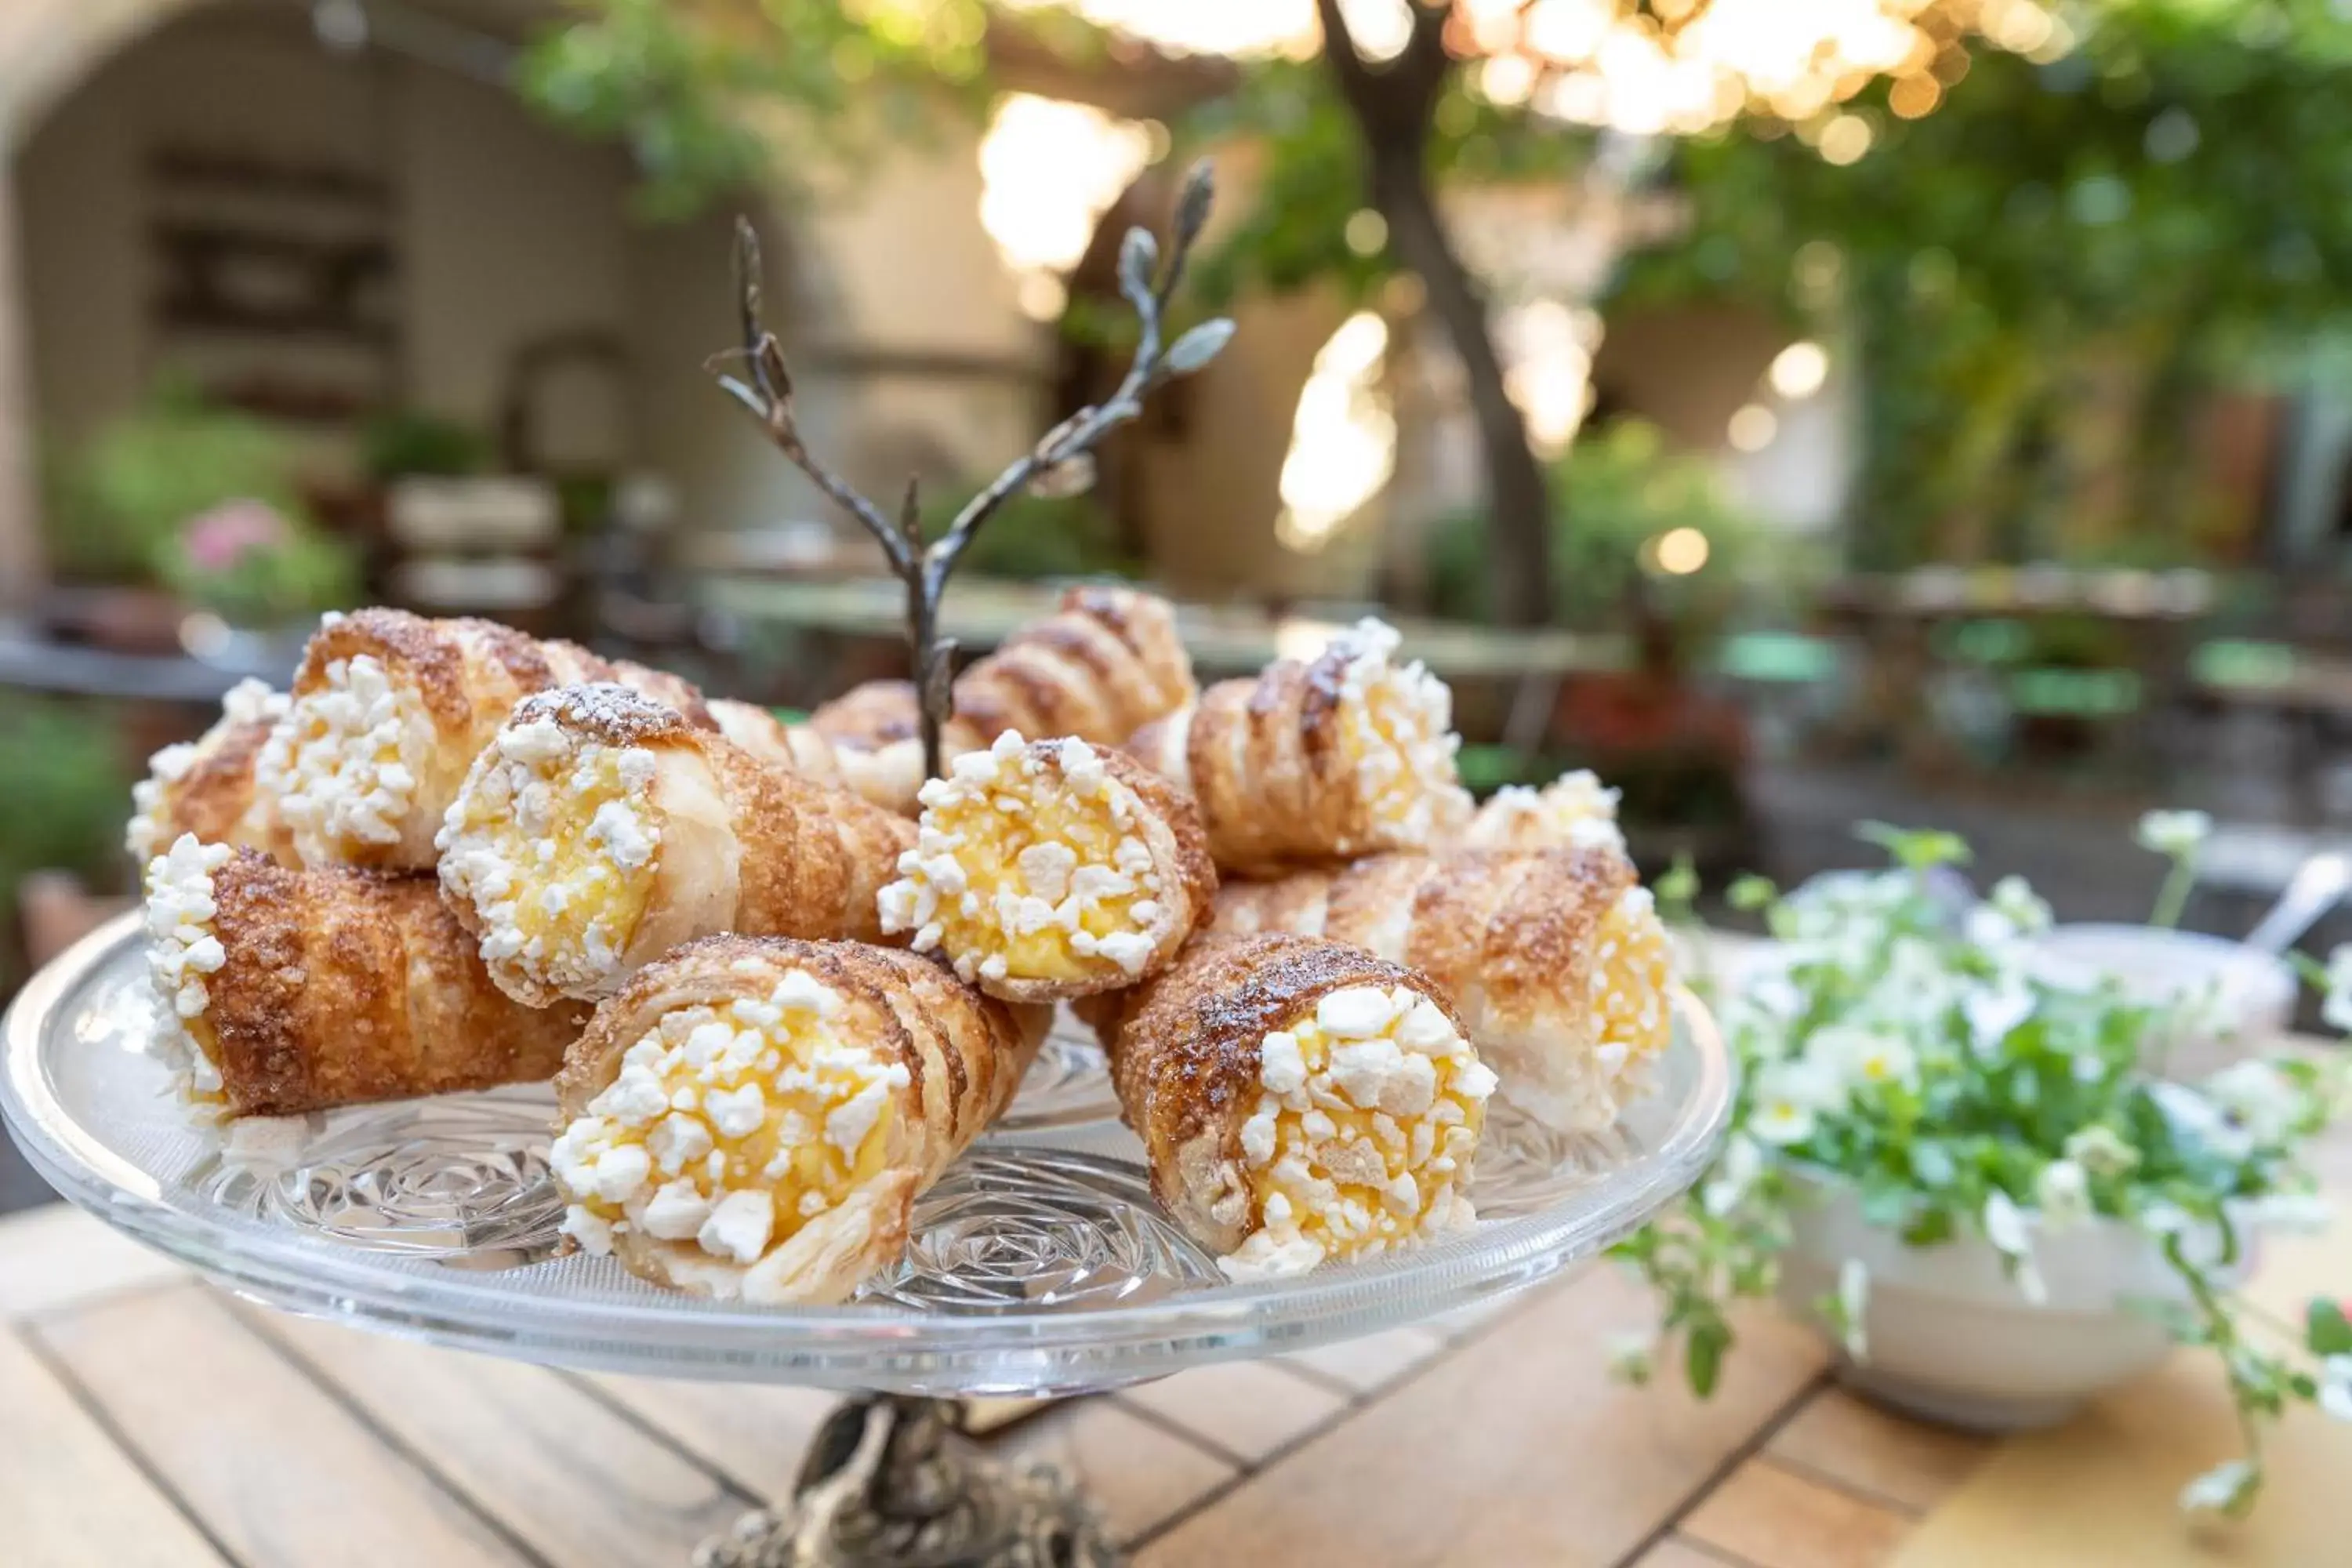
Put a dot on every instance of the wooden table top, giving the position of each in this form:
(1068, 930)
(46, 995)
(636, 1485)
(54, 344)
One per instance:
(148, 1419)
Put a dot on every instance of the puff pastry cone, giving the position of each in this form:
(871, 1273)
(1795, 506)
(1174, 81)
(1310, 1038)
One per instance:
(1557, 960)
(598, 829)
(1316, 760)
(287, 990)
(1574, 810)
(206, 786)
(1299, 1100)
(753, 1117)
(1048, 869)
(388, 710)
(1103, 665)
(888, 776)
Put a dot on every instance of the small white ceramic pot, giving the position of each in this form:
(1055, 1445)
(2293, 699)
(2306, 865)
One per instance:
(2252, 993)
(1949, 1337)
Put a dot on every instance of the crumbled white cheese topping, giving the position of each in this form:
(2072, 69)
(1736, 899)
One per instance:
(1400, 719)
(342, 762)
(1382, 1128)
(1575, 811)
(498, 850)
(182, 949)
(656, 1142)
(1049, 886)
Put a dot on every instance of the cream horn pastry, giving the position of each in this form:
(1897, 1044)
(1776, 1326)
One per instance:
(753, 1117)
(1557, 960)
(1106, 662)
(387, 713)
(1103, 665)
(286, 991)
(206, 786)
(1299, 1100)
(1575, 811)
(1050, 868)
(1316, 760)
(598, 829)
(888, 775)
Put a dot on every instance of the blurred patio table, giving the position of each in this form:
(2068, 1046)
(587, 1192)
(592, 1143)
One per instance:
(146, 1419)
(1226, 639)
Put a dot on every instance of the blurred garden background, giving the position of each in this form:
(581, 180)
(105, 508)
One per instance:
(1800, 411)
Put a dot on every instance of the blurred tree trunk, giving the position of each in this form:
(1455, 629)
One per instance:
(1392, 104)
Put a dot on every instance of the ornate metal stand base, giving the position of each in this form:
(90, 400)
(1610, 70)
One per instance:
(890, 1483)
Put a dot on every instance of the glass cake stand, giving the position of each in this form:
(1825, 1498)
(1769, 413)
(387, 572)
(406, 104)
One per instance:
(1039, 1265)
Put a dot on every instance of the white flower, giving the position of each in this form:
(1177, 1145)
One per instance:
(1630, 1357)
(2101, 1151)
(2219, 1489)
(1790, 1096)
(2062, 1193)
(1996, 1008)
(2014, 897)
(1734, 1172)
(2199, 1120)
(2174, 834)
(1858, 1056)
(2004, 1226)
(1854, 1306)
(2336, 1386)
(2259, 1098)
(2290, 1214)
(2336, 1006)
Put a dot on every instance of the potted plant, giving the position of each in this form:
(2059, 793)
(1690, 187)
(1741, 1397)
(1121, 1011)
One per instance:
(119, 500)
(263, 574)
(1962, 1171)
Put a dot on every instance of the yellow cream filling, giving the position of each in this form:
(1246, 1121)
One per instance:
(1368, 1116)
(1631, 974)
(730, 1127)
(556, 843)
(1028, 865)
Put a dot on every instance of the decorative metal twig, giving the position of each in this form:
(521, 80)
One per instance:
(1061, 463)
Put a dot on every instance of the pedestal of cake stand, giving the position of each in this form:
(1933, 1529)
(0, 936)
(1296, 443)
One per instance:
(890, 1481)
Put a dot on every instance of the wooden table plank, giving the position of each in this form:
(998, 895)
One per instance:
(1680, 1551)
(1518, 1448)
(753, 1433)
(1138, 1475)
(1770, 1515)
(1907, 1465)
(1248, 1409)
(67, 1495)
(1376, 1360)
(277, 1470)
(55, 1257)
(580, 1482)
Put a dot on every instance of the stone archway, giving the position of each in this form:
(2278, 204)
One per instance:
(46, 47)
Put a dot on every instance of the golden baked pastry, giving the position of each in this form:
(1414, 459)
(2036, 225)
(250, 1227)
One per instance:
(287, 991)
(388, 712)
(598, 829)
(754, 1118)
(1299, 1100)
(206, 786)
(1316, 760)
(888, 776)
(1049, 870)
(1556, 959)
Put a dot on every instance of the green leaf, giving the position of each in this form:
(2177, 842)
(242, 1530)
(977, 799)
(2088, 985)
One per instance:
(1703, 1354)
(2329, 1332)
(1916, 848)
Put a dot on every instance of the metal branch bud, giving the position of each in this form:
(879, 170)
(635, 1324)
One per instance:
(1062, 462)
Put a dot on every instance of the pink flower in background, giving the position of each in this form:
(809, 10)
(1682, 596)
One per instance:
(218, 539)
